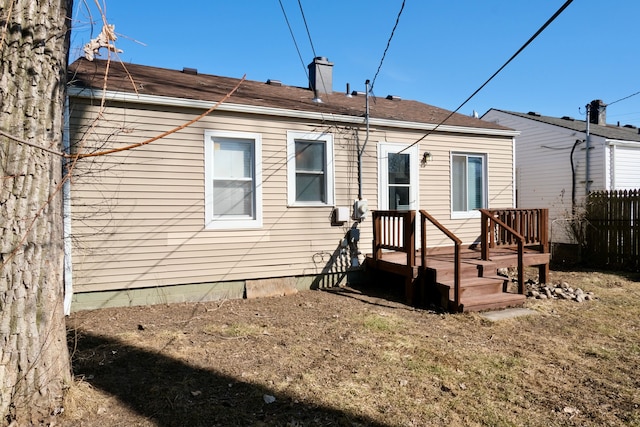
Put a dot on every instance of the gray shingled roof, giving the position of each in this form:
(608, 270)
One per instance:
(621, 133)
(204, 87)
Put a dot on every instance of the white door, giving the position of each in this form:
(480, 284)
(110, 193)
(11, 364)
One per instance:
(397, 177)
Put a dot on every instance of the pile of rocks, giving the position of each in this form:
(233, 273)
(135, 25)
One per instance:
(557, 291)
(560, 290)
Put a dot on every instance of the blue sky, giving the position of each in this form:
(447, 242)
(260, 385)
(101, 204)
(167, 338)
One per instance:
(441, 52)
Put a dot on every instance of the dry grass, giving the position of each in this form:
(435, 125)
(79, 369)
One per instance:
(344, 358)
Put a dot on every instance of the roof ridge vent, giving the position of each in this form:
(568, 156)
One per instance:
(394, 98)
(533, 113)
(357, 93)
(630, 126)
(274, 82)
(568, 118)
(187, 70)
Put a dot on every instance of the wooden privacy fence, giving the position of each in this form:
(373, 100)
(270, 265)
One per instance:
(612, 235)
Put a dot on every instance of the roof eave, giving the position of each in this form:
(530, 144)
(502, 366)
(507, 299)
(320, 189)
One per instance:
(90, 93)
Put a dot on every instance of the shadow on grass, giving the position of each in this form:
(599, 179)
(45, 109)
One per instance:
(173, 393)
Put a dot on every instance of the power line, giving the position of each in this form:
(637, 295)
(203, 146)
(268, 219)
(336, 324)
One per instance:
(373, 82)
(531, 39)
(307, 27)
(622, 99)
(294, 39)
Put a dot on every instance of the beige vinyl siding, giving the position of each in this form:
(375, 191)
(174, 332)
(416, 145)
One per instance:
(139, 214)
(435, 181)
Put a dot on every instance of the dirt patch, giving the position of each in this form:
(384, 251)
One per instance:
(346, 358)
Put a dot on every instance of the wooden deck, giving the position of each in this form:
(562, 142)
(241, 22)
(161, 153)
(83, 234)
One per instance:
(457, 278)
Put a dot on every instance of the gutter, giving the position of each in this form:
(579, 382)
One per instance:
(622, 143)
(279, 112)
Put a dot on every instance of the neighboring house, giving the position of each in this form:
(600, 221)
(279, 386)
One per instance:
(552, 167)
(258, 197)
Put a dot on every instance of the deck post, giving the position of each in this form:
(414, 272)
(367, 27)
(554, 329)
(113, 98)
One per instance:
(409, 237)
(543, 229)
(377, 236)
(484, 239)
(408, 289)
(543, 273)
(520, 266)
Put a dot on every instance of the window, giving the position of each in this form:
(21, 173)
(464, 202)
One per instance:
(233, 177)
(399, 181)
(468, 184)
(309, 169)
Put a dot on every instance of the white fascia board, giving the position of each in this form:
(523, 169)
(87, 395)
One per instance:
(619, 142)
(279, 112)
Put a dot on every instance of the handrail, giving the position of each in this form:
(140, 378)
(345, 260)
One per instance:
(394, 230)
(486, 232)
(424, 215)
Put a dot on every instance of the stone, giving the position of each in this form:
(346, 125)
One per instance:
(560, 290)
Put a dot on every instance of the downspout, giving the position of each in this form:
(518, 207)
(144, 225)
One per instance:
(587, 185)
(66, 214)
(366, 139)
(573, 180)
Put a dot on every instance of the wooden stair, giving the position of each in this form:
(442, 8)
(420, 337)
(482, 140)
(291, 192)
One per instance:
(480, 287)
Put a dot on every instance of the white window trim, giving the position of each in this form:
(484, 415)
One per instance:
(327, 138)
(485, 171)
(212, 223)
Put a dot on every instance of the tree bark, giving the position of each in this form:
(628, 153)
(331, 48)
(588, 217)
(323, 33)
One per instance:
(34, 359)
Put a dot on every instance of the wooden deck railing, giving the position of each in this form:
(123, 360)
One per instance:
(394, 230)
(531, 224)
(496, 232)
(424, 216)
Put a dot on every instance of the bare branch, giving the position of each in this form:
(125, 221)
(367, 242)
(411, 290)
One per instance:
(30, 144)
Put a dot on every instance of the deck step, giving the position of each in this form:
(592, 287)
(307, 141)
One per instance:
(491, 302)
(475, 286)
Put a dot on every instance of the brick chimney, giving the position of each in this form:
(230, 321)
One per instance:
(597, 112)
(321, 75)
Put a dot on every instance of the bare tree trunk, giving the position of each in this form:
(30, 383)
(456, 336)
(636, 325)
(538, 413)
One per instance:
(34, 359)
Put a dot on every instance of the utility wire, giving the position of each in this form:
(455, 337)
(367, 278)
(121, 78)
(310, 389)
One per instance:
(373, 82)
(307, 27)
(622, 99)
(294, 39)
(537, 33)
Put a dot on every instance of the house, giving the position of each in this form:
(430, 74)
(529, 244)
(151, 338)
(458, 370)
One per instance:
(270, 193)
(560, 160)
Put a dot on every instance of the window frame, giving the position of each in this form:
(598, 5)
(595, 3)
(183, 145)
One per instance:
(213, 222)
(473, 213)
(329, 183)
